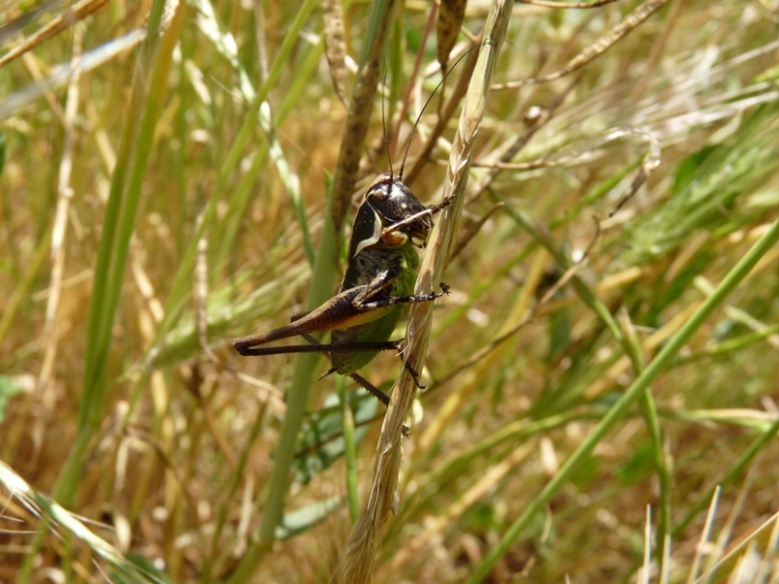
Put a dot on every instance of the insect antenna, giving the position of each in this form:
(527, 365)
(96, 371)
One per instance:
(424, 107)
(384, 127)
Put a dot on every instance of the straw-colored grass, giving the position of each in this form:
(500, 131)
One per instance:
(601, 381)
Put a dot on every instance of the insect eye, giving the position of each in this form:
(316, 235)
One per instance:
(377, 193)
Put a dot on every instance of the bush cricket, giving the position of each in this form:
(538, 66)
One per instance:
(379, 280)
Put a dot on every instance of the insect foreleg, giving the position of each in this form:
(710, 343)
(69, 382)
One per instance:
(442, 205)
(376, 286)
(432, 210)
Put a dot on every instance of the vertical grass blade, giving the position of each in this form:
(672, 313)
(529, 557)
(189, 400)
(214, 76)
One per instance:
(358, 556)
(297, 400)
(118, 227)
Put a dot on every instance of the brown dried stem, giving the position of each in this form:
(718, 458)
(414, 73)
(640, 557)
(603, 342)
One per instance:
(594, 51)
(71, 16)
(356, 126)
(382, 498)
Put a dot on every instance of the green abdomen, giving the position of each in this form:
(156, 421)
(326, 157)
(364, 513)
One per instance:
(373, 262)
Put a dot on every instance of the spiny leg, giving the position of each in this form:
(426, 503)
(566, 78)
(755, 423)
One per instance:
(412, 298)
(361, 381)
(413, 372)
(319, 348)
(392, 300)
(377, 393)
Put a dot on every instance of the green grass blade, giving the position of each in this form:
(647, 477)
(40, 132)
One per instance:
(659, 364)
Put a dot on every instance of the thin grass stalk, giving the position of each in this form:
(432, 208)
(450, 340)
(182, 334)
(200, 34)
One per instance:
(736, 470)
(358, 556)
(637, 389)
(69, 524)
(350, 451)
(446, 113)
(358, 118)
(183, 279)
(76, 12)
(118, 227)
(297, 402)
(64, 197)
(704, 538)
(731, 556)
(631, 348)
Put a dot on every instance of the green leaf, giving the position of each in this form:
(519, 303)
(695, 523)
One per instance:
(145, 566)
(639, 466)
(689, 167)
(8, 389)
(305, 518)
(321, 436)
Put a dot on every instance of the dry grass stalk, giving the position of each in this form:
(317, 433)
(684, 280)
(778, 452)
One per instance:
(443, 119)
(356, 126)
(578, 5)
(65, 194)
(70, 17)
(450, 19)
(335, 46)
(360, 547)
(594, 51)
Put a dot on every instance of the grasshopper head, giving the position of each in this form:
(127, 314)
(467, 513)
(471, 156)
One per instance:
(395, 205)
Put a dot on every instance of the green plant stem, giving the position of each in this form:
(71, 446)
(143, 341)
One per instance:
(350, 451)
(297, 401)
(631, 348)
(182, 281)
(637, 389)
(735, 471)
(118, 226)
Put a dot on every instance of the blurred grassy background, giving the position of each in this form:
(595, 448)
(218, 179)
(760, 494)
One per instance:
(162, 439)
